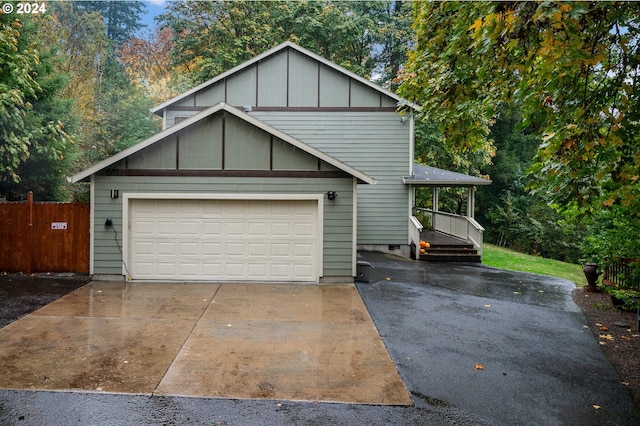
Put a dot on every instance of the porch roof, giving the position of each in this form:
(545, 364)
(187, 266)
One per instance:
(432, 176)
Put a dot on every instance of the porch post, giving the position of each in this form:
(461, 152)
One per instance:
(471, 202)
(435, 191)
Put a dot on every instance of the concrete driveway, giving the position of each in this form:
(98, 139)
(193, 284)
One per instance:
(473, 345)
(235, 340)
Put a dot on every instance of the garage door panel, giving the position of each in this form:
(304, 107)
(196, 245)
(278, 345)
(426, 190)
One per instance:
(211, 249)
(235, 249)
(165, 248)
(303, 250)
(212, 229)
(235, 270)
(190, 249)
(304, 230)
(189, 269)
(258, 229)
(281, 229)
(190, 228)
(257, 270)
(144, 248)
(258, 250)
(234, 229)
(224, 240)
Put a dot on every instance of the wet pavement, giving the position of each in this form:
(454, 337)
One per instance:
(474, 345)
(289, 342)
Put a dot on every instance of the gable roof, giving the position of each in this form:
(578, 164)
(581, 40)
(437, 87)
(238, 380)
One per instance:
(273, 51)
(204, 114)
(432, 176)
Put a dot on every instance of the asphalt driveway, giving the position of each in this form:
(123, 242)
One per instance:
(474, 345)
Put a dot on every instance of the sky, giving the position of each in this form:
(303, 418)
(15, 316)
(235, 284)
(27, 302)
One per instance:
(153, 9)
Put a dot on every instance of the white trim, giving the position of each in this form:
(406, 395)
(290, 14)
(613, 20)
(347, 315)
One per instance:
(126, 197)
(412, 143)
(354, 230)
(270, 52)
(92, 215)
(206, 113)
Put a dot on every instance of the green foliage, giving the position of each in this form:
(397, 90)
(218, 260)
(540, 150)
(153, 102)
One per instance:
(34, 145)
(571, 66)
(213, 37)
(613, 234)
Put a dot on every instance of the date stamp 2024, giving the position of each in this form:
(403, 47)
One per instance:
(33, 8)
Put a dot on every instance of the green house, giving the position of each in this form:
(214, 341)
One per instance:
(276, 170)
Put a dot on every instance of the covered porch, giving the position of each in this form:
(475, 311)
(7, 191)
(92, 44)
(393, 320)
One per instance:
(452, 236)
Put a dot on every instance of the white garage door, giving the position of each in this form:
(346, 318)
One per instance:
(230, 240)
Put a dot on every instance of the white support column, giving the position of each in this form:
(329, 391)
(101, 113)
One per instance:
(435, 191)
(471, 202)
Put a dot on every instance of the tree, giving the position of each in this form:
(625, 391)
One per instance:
(148, 64)
(121, 18)
(32, 135)
(573, 67)
(212, 37)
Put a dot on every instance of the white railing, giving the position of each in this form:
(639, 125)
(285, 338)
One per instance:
(458, 226)
(415, 227)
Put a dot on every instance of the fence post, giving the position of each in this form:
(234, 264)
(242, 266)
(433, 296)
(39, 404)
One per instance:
(30, 263)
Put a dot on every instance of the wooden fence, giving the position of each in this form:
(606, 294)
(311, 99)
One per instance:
(44, 237)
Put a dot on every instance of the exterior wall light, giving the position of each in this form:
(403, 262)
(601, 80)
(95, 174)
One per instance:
(332, 195)
(115, 193)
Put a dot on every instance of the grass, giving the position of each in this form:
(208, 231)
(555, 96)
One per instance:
(500, 257)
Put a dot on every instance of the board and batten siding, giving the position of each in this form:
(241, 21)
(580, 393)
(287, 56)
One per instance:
(337, 224)
(334, 113)
(376, 143)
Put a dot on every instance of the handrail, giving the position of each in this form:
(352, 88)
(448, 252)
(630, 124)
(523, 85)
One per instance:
(415, 227)
(458, 226)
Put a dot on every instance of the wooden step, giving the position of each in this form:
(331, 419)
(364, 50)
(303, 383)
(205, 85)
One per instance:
(430, 256)
(451, 253)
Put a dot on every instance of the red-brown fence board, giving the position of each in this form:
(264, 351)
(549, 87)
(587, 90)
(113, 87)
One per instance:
(29, 244)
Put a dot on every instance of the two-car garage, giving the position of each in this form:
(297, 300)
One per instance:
(218, 238)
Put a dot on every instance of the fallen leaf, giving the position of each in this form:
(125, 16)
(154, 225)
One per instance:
(625, 337)
(604, 328)
(388, 278)
(625, 383)
(602, 343)
(585, 326)
(516, 292)
(479, 366)
(597, 407)
(598, 324)
(487, 306)
(606, 336)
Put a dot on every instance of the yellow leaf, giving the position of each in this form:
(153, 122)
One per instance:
(606, 336)
(477, 24)
(597, 407)
(479, 366)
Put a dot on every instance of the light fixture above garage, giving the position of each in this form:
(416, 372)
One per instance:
(332, 195)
